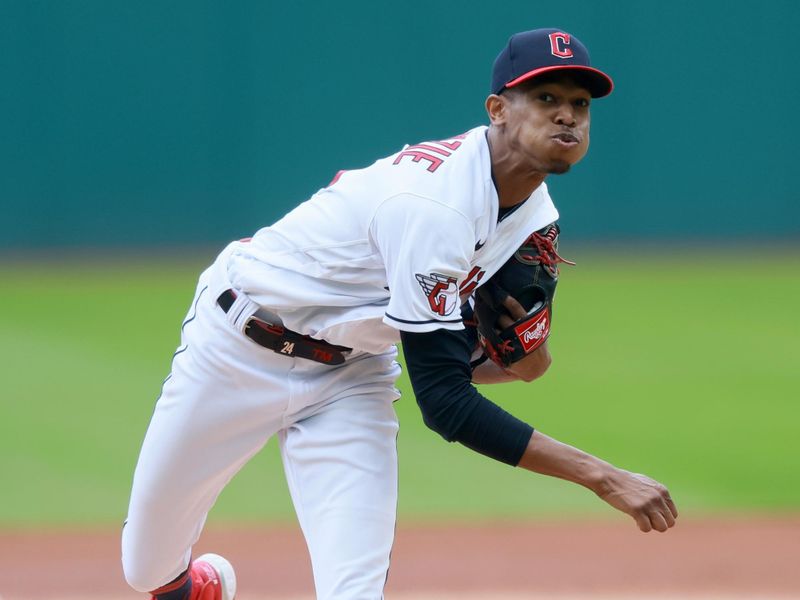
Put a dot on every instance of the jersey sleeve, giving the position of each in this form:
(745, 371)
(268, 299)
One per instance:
(426, 248)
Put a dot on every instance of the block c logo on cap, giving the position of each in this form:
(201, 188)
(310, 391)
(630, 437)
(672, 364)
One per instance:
(559, 45)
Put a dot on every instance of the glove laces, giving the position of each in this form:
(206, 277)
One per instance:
(545, 246)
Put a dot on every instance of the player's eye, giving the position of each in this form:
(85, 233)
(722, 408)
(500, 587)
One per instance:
(544, 97)
(582, 102)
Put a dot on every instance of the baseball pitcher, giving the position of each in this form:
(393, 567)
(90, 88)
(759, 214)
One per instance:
(449, 246)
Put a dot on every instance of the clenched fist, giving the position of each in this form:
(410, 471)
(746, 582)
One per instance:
(646, 500)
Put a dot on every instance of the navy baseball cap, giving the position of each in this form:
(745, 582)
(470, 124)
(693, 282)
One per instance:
(533, 53)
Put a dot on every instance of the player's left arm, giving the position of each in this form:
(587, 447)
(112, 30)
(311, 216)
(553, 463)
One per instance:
(530, 367)
(513, 310)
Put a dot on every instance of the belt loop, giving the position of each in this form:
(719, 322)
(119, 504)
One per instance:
(243, 313)
(240, 311)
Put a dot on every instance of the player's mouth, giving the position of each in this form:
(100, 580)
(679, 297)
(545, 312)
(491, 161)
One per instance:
(566, 139)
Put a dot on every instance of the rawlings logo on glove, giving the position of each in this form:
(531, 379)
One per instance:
(534, 331)
(529, 277)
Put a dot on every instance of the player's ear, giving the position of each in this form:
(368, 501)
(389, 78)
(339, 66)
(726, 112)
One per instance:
(496, 107)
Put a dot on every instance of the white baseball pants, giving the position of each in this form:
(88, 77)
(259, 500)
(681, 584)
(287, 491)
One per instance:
(224, 398)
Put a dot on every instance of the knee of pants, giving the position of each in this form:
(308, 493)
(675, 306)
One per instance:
(143, 576)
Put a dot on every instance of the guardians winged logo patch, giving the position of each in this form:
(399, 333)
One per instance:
(441, 291)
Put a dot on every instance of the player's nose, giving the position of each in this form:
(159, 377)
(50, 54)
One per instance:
(565, 115)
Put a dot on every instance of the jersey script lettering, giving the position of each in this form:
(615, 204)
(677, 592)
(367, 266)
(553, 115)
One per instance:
(471, 281)
(434, 153)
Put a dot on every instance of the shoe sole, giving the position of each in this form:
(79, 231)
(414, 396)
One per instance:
(227, 576)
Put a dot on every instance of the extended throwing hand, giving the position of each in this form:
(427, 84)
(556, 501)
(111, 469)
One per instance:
(644, 499)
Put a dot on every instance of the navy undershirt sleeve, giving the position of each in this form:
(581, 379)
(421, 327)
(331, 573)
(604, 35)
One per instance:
(470, 334)
(438, 366)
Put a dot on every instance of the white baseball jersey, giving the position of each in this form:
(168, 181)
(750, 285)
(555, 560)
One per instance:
(394, 246)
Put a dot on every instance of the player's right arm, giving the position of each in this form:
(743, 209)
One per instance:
(426, 249)
(644, 499)
(438, 366)
(439, 371)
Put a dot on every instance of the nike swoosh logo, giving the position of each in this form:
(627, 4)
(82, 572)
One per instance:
(479, 245)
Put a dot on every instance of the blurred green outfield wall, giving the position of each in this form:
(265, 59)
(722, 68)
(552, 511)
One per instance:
(191, 122)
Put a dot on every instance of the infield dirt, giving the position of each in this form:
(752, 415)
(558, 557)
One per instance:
(720, 559)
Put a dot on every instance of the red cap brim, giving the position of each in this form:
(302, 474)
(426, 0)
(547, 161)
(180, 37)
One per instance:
(600, 84)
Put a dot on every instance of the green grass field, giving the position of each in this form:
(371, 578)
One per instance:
(686, 368)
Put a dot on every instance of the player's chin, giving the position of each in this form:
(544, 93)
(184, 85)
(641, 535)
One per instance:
(559, 167)
(560, 163)
(562, 159)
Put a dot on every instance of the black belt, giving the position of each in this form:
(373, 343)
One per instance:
(285, 341)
